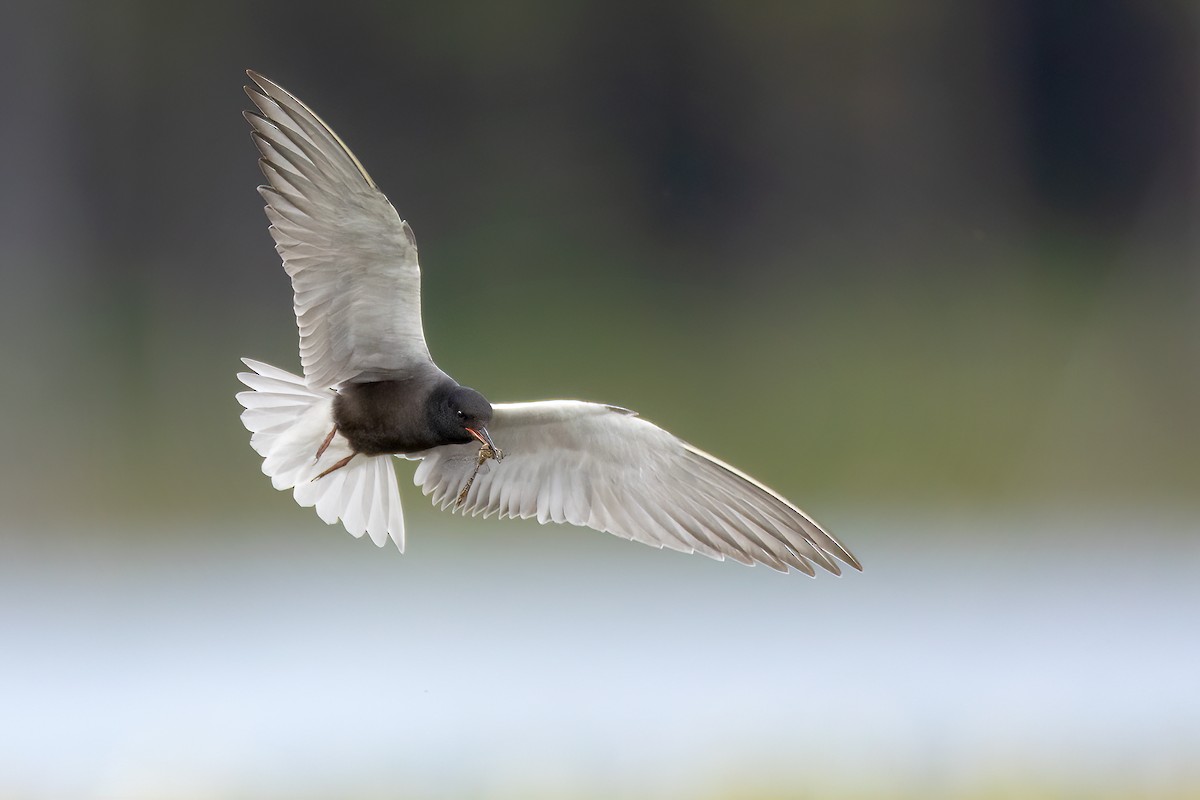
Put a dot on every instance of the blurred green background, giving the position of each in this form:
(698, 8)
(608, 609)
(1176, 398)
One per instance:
(930, 269)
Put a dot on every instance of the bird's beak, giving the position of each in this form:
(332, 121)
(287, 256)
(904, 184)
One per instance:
(482, 435)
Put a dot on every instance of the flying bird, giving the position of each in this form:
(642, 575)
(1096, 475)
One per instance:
(371, 391)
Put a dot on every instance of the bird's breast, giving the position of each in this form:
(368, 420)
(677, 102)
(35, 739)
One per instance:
(384, 417)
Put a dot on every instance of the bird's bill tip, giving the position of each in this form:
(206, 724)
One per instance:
(482, 435)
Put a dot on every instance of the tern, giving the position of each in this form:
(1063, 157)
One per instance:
(371, 391)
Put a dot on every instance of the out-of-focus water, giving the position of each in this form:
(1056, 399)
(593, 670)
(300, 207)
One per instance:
(499, 661)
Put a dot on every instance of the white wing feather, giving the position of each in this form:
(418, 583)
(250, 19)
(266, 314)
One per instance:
(288, 423)
(606, 468)
(352, 260)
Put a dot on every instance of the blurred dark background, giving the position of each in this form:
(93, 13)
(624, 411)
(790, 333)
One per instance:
(929, 258)
(941, 249)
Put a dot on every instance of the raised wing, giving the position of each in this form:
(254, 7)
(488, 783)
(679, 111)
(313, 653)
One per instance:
(352, 260)
(605, 468)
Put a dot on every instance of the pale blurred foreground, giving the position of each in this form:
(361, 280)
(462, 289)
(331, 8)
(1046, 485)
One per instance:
(1039, 657)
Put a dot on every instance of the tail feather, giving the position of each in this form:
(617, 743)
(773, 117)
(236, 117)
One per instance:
(288, 422)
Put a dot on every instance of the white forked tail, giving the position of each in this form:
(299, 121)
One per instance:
(288, 423)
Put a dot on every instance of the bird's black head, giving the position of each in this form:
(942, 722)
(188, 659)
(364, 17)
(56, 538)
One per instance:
(463, 415)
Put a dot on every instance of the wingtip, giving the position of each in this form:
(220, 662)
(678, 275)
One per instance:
(835, 549)
(265, 87)
(259, 87)
(260, 92)
(834, 555)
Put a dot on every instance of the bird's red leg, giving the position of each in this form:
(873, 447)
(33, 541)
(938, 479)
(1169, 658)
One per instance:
(324, 445)
(336, 466)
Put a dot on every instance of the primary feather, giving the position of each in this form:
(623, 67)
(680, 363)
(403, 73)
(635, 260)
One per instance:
(352, 260)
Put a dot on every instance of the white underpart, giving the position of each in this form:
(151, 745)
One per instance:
(288, 422)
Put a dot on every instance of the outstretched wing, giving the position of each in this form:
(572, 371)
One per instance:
(606, 468)
(352, 260)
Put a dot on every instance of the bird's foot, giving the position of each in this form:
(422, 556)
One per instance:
(324, 445)
(336, 466)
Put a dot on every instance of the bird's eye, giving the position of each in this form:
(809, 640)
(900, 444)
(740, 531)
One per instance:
(460, 414)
